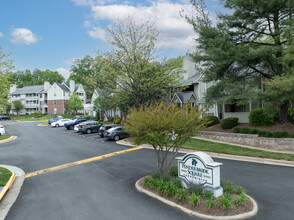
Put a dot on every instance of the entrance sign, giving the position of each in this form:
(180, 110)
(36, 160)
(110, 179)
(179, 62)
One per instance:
(199, 168)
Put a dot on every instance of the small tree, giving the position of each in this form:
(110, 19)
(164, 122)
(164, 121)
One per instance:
(104, 103)
(18, 106)
(8, 107)
(75, 103)
(165, 127)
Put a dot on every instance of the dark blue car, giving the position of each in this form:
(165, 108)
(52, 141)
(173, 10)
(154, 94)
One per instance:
(54, 119)
(71, 125)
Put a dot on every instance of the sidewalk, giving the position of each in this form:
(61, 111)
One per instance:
(226, 156)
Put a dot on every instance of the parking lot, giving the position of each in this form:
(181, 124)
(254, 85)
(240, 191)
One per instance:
(103, 188)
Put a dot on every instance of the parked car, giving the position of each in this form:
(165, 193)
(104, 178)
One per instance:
(89, 127)
(4, 117)
(60, 123)
(2, 130)
(70, 125)
(104, 128)
(54, 119)
(116, 133)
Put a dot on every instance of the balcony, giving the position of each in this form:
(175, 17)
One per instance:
(31, 97)
(32, 105)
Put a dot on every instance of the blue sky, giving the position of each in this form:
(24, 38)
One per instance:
(50, 34)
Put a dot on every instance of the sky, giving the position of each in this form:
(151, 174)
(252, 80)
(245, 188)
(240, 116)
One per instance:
(51, 34)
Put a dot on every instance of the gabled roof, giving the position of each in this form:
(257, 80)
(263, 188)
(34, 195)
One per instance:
(28, 89)
(184, 97)
(63, 87)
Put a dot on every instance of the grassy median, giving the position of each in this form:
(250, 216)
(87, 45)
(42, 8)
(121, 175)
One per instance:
(5, 174)
(209, 146)
(3, 137)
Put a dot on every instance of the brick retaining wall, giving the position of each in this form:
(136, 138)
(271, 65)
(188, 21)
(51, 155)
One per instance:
(279, 144)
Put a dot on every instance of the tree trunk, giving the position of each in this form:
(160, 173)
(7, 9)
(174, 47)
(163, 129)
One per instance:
(283, 113)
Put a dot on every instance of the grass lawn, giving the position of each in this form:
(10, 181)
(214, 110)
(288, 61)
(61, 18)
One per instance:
(4, 176)
(31, 118)
(234, 150)
(2, 137)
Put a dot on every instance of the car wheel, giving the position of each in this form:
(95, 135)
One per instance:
(89, 131)
(71, 127)
(116, 137)
(57, 125)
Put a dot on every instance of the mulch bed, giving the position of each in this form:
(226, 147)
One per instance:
(201, 208)
(276, 127)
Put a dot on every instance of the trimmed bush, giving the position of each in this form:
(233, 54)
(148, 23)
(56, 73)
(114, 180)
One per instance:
(229, 123)
(254, 131)
(236, 129)
(259, 117)
(117, 120)
(261, 132)
(210, 120)
(280, 134)
(37, 114)
(245, 130)
(268, 134)
(88, 117)
(291, 116)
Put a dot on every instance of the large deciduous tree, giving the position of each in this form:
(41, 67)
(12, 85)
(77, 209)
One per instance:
(166, 127)
(75, 103)
(5, 69)
(139, 77)
(244, 48)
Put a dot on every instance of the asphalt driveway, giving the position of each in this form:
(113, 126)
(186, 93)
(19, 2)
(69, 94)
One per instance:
(104, 189)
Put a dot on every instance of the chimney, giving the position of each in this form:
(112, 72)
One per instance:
(12, 88)
(71, 86)
(188, 66)
(46, 86)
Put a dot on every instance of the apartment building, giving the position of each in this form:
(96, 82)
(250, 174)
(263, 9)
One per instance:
(51, 99)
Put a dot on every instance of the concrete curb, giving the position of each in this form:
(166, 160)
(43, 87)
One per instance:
(190, 212)
(40, 125)
(11, 195)
(226, 156)
(8, 139)
(8, 185)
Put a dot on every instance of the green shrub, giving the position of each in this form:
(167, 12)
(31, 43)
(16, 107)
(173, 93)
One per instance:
(229, 123)
(222, 182)
(194, 188)
(194, 199)
(181, 194)
(268, 134)
(110, 118)
(151, 182)
(239, 190)
(117, 120)
(88, 117)
(291, 116)
(241, 199)
(208, 195)
(174, 171)
(170, 188)
(280, 134)
(245, 130)
(292, 136)
(37, 114)
(260, 117)
(261, 132)
(209, 120)
(254, 131)
(236, 129)
(229, 187)
(210, 203)
(161, 184)
(225, 202)
(156, 175)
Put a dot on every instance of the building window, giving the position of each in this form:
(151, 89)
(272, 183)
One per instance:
(55, 94)
(40, 95)
(54, 102)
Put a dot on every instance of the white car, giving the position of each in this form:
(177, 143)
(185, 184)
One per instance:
(76, 128)
(60, 123)
(2, 130)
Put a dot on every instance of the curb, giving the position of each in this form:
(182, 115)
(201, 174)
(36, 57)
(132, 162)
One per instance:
(8, 185)
(190, 212)
(11, 195)
(41, 125)
(8, 139)
(226, 156)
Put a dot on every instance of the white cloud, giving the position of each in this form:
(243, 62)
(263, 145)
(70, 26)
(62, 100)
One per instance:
(98, 33)
(64, 72)
(175, 32)
(1, 35)
(70, 61)
(23, 36)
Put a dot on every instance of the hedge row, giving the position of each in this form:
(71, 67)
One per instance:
(276, 134)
